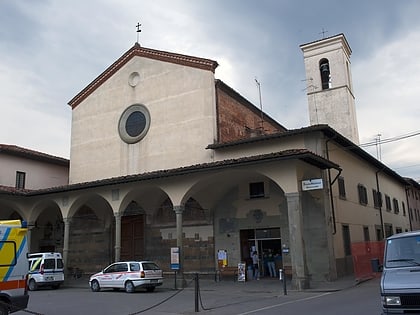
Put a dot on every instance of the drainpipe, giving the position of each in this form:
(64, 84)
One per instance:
(380, 202)
(330, 188)
(408, 206)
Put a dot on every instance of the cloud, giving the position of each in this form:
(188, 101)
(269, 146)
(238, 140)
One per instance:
(386, 86)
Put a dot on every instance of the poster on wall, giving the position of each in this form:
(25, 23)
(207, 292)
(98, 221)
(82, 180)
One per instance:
(222, 258)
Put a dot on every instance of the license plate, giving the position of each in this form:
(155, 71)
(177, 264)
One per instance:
(50, 278)
(153, 281)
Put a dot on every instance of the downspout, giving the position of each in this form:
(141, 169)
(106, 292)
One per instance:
(408, 207)
(380, 203)
(330, 188)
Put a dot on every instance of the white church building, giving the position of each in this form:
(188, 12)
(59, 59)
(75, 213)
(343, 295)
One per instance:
(164, 155)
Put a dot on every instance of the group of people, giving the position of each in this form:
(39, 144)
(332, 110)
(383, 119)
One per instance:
(269, 264)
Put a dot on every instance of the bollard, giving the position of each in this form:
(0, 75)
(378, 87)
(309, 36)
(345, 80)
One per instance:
(196, 293)
(282, 276)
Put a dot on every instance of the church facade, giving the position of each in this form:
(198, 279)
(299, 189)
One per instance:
(164, 155)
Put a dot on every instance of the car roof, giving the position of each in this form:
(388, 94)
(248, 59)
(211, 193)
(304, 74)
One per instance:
(405, 234)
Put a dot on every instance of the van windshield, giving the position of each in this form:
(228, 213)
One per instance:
(403, 252)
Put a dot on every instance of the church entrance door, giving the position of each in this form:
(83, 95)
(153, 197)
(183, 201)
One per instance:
(132, 237)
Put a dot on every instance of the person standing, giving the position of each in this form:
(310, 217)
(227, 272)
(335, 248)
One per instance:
(255, 260)
(271, 264)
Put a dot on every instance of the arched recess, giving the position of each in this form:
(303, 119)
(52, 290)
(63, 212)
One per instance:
(47, 227)
(139, 238)
(324, 69)
(10, 211)
(228, 217)
(91, 234)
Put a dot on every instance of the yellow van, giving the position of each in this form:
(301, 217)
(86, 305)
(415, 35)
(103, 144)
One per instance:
(13, 266)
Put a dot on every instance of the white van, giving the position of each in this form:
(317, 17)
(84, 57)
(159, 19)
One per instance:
(45, 269)
(400, 281)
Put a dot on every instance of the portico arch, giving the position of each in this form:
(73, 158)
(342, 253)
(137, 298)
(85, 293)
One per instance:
(91, 231)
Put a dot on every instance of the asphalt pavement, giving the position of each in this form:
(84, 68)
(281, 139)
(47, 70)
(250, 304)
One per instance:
(265, 284)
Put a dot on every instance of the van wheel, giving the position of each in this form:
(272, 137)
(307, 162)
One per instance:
(3, 309)
(129, 287)
(95, 287)
(32, 286)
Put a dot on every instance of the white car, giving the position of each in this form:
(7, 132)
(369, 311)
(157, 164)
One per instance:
(128, 275)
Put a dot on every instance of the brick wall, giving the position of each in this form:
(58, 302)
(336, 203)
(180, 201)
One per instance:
(238, 118)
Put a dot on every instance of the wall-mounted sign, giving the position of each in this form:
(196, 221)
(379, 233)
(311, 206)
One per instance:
(312, 184)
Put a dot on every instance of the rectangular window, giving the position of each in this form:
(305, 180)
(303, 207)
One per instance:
(341, 188)
(388, 203)
(346, 240)
(388, 230)
(366, 233)
(20, 180)
(403, 206)
(362, 194)
(396, 206)
(256, 190)
(379, 234)
(377, 199)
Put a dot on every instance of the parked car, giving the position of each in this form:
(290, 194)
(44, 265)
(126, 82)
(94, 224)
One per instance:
(45, 269)
(128, 275)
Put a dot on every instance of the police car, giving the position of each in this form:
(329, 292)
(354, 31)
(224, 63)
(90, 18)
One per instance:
(128, 275)
(45, 269)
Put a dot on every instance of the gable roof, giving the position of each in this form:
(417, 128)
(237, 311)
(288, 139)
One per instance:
(137, 50)
(32, 155)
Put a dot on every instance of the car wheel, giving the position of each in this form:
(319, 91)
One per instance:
(94, 286)
(150, 289)
(129, 287)
(32, 286)
(3, 308)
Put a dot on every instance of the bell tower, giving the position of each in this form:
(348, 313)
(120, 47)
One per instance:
(330, 89)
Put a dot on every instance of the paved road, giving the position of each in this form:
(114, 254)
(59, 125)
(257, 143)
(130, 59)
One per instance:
(233, 298)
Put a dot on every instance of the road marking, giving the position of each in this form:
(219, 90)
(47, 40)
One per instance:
(285, 303)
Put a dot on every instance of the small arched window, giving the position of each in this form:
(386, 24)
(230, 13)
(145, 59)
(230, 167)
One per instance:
(324, 68)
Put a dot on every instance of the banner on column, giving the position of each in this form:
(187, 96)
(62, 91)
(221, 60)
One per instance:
(175, 258)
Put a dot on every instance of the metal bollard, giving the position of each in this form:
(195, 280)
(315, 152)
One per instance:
(196, 293)
(282, 276)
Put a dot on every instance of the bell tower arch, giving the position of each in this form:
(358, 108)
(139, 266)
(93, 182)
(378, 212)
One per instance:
(330, 88)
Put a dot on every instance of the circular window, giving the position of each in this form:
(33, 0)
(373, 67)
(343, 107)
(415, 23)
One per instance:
(134, 123)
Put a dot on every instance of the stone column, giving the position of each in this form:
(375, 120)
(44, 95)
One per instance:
(117, 216)
(300, 278)
(29, 235)
(66, 241)
(179, 238)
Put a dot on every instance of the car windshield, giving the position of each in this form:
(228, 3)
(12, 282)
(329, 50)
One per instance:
(403, 252)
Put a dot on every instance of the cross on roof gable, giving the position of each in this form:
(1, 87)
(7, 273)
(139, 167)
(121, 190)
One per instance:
(137, 50)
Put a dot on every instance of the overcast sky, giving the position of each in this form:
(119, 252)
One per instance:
(50, 50)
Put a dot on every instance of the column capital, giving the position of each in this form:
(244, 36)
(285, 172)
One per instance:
(179, 209)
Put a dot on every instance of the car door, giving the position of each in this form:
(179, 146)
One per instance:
(106, 279)
(120, 274)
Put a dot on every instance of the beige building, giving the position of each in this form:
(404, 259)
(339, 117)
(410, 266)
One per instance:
(164, 155)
